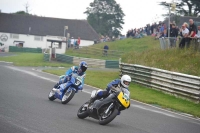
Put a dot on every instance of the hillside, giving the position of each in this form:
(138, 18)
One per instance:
(116, 48)
(146, 51)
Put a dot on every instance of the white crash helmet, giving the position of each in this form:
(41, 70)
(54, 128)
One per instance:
(126, 78)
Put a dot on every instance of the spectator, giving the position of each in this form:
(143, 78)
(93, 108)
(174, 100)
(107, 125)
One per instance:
(192, 30)
(68, 42)
(184, 33)
(165, 32)
(79, 42)
(186, 25)
(105, 50)
(152, 27)
(173, 34)
(72, 42)
(161, 30)
(75, 44)
(198, 34)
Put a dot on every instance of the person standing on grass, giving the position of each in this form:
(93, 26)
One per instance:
(192, 31)
(184, 33)
(68, 42)
(173, 35)
(105, 49)
(198, 33)
(72, 42)
(79, 42)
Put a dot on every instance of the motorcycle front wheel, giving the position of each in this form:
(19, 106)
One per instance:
(82, 112)
(68, 96)
(107, 118)
(51, 95)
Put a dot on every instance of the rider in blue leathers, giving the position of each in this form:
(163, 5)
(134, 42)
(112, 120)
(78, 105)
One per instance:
(79, 70)
(122, 83)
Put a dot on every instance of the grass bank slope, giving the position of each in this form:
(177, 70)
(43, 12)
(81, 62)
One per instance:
(126, 45)
(178, 60)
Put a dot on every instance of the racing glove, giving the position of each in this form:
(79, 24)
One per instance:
(80, 87)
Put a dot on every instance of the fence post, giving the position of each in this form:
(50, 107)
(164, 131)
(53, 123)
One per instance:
(120, 67)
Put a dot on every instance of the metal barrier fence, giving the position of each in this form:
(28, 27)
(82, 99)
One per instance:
(178, 84)
(46, 57)
(166, 43)
(23, 49)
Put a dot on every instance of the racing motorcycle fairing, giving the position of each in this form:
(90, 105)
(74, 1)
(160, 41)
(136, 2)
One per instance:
(97, 106)
(72, 84)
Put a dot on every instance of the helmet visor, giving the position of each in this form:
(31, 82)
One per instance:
(83, 68)
(126, 82)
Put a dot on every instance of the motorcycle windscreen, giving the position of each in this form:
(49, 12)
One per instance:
(123, 99)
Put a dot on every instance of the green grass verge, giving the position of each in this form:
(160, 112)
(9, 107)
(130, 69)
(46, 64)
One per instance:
(138, 92)
(31, 59)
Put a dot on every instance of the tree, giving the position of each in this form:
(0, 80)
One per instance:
(21, 12)
(186, 7)
(106, 17)
(24, 12)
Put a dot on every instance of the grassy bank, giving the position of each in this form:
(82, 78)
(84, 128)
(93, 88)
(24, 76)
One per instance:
(30, 59)
(146, 51)
(178, 60)
(126, 45)
(138, 92)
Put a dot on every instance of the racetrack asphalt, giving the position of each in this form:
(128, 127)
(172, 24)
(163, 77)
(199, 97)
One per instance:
(25, 108)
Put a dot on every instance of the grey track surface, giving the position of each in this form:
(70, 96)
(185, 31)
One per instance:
(25, 108)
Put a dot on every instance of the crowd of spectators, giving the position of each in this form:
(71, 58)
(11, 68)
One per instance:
(74, 43)
(104, 39)
(154, 29)
(184, 34)
(136, 33)
(188, 32)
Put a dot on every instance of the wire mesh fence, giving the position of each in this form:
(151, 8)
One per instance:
(173, 42)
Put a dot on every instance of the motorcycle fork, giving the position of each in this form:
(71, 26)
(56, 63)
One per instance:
(111, 105)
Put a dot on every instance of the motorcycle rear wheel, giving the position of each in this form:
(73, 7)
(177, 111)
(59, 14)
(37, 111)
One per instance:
(67, 96)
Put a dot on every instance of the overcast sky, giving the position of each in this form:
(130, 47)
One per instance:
(138, 12)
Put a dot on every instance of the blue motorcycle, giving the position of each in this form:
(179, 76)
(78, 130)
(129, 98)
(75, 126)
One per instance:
(65, 92)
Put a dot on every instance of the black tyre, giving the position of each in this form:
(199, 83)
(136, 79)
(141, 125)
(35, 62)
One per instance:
(104, 121)
(51, 95)
(82, 112)
(68, 96)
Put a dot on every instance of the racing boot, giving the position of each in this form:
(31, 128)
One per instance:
(99, 94)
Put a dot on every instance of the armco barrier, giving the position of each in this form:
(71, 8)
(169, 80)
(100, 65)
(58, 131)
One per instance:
(26, 50)
(112, 64)
(91, 62)
(46, 57)
(178, 84)
(64, 58)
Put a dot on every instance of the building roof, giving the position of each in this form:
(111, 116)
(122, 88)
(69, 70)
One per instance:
(42, 26)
